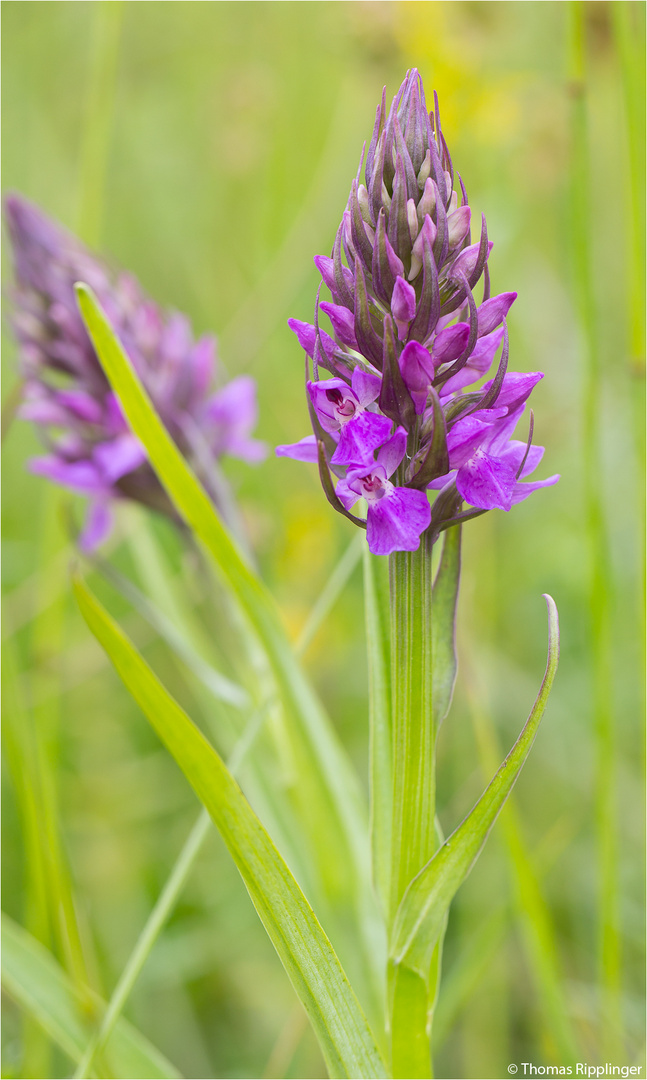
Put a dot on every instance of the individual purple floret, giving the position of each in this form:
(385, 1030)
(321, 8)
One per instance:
(396, 516)
(408, 339)
(66, 394)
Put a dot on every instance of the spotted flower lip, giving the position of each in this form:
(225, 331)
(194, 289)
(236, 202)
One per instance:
(396, 516)
(412, 351)
(488, 466)
(66, 394)
(343, 409)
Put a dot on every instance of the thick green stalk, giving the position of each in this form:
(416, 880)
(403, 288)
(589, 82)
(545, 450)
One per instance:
(414, 783)
(423, 671)
(413, 838)
(378, 642)
(408, 1004)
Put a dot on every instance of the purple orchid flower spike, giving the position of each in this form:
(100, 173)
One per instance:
(407, 339)
(66, 394)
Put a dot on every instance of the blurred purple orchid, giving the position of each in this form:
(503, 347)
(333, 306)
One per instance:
(66, 394)
(408, 339)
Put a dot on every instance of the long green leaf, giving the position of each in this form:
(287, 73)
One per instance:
(536, 921)
(330, 802)
(420, 917)
(221, 687)
(33, 978)
(307, 955)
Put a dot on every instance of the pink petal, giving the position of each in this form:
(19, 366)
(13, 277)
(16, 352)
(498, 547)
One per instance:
(366, 387)
(492, 312)
(522, 491)
(342, 321)
(417, 370)
(486, 482)
(360, 437)
(477, 365)
(391, 454)
(97, 526)
(458, 222)
(81, 476)
(449, 343)
(395, 523)
(304, 450)
(118, 457)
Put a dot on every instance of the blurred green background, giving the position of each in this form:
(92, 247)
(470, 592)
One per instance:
(209, 148)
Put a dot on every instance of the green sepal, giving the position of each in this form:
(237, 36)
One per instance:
(436, 460)
(369, 342)
(395, 400)
(329, 490)
(398, 227)
(428, 311)
(358, 232)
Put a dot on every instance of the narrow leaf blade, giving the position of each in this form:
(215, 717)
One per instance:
(307, 955)
(420, 917)
(328, 799)
(33, 978)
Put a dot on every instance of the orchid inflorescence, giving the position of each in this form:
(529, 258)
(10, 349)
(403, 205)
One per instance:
(66, 393)
(394, 421)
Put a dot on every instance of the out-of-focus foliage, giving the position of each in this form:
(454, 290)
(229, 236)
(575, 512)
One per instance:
(209, 148)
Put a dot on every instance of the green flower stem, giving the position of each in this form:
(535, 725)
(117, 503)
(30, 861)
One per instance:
(413, 838)
(410, 1046)
(414, 783)
(378, 642)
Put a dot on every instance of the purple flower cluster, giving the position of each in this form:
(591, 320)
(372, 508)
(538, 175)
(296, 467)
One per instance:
(396, 419)
(91, 449)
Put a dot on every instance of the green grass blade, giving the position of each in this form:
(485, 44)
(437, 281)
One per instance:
(331, 805)
(145, 942)
(468, 969)
(162, 909)
(628, 21)
(222, 688)
(306, 953)
(533, 910)
(31, 976)
(378, 644)
(601, 584)
(420, 917)
(100, 97)
(330, 593)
